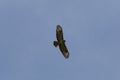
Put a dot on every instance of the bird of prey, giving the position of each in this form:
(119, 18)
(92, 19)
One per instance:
(61, 42)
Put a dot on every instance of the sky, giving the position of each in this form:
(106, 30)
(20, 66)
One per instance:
(91, 29)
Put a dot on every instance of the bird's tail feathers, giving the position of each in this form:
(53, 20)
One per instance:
(55, 43)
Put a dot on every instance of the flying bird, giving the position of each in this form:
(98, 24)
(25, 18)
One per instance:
(61, 42)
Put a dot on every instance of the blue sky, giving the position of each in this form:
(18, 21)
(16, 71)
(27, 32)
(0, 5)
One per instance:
(91, 30)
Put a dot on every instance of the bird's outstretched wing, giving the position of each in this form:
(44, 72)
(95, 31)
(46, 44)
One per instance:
(59, 33)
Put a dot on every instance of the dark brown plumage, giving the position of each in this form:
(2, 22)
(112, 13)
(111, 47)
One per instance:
(61, 42)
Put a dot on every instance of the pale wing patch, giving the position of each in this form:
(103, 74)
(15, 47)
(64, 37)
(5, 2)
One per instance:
(59, 28)
(66, 55)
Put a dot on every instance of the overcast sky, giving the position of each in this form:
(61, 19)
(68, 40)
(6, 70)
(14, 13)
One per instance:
(91, 30)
